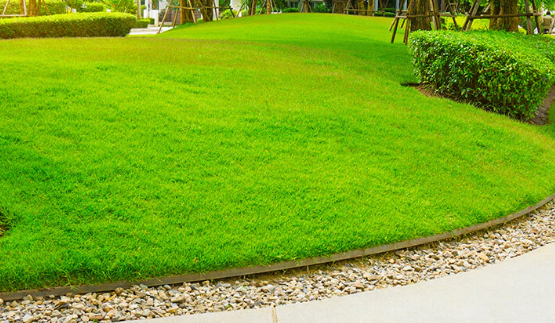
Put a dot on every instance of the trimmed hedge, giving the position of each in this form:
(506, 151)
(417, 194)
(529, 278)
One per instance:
(143, 23)
(92, 7)
(55, 7)
(71, 25)
(506, 73)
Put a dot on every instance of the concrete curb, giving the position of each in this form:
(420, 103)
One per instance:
(235, 272)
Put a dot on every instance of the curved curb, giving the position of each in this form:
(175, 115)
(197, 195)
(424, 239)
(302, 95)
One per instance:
(235, 272)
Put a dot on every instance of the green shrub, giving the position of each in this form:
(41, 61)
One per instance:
(226, 14)
(92, 7)
(503, 72)
(321, 8)
(55, 7)
(99, 24)
(143, 23)
(289, 10)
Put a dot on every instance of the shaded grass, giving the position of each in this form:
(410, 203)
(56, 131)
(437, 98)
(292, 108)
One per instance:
(236, 143)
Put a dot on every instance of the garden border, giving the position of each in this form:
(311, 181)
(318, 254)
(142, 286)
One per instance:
(291, 264)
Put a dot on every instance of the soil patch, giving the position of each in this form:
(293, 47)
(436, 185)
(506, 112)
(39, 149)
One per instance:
(424, 89)
(542, 115)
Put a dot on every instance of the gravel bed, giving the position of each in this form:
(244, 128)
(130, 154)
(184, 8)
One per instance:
(301, 285)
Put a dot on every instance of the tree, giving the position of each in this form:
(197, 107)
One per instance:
(32, 9)
(252, 8)
(420, 7)
(186, 15)
(500, 7)
(207, 13)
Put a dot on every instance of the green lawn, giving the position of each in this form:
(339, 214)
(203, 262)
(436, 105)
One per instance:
(236, 143)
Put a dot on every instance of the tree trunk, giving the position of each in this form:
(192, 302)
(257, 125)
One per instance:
(138, 9)
(21, 7)
(32, 8)
(420, 7)
(252, 8)
(186, 15)
(499, 7)
(208, 14)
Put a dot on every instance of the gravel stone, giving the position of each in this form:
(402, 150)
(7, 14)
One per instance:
(401, 267)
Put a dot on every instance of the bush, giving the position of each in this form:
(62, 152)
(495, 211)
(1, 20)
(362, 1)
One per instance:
(544, 45)
(502, 72)
(55, 7)
(289, 10)
(71, 25)
(321, 8)
(226, 14)
(143, 23)
(92, 7)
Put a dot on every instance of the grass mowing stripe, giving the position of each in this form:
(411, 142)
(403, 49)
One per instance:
(216, 146)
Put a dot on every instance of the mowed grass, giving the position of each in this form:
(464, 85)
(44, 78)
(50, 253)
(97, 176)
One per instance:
(238, 143)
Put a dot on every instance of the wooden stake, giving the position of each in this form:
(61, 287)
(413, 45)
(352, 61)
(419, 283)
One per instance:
(537, 18)
(396, 21)
(452, 12)
(529, 29)
(5, 7)
(470, 18)
(163, 19)
(175, 17)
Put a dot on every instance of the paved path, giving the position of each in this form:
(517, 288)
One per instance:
(516, 290)
(147, 31)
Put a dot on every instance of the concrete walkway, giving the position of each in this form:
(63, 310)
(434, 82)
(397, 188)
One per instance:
(516, 290)
(147, 31)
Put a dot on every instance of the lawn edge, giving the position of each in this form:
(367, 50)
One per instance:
(285, 265)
